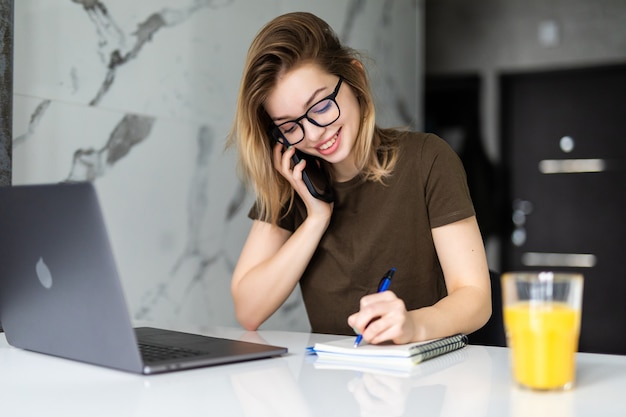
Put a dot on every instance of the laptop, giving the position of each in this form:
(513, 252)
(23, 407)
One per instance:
(60, 292)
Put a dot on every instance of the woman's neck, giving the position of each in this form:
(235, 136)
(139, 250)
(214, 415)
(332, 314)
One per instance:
(344, 171)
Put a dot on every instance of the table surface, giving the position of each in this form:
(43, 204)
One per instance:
(474, 381)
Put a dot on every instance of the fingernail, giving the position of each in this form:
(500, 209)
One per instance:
(289, 147)
(355, 331)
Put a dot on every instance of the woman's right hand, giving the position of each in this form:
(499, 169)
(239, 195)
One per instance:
(293, 173)
(273, 259)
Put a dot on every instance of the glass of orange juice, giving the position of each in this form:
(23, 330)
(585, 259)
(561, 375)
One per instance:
(542, 323)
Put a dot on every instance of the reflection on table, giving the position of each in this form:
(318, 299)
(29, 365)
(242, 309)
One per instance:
(474, 381)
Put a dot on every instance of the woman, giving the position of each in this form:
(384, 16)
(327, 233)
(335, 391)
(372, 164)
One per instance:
(400, 200)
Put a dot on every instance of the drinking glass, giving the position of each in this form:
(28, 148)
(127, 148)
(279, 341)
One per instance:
(542, 322)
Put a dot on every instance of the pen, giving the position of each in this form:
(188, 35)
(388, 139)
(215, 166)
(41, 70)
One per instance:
(382, 286)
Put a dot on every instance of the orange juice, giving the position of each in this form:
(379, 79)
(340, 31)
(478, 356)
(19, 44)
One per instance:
(543, 338)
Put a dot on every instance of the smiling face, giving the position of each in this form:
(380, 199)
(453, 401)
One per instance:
(300, 88)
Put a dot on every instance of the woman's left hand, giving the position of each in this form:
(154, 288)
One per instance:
(382, 317)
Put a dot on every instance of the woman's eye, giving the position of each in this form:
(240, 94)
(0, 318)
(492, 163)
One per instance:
(321, 107)
(288, 128)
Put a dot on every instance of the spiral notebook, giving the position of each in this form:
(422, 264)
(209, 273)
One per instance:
(388, 355)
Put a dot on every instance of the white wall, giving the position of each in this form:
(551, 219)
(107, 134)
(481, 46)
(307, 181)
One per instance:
(150, 129)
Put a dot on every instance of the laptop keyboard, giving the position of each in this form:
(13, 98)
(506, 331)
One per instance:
(156, 353)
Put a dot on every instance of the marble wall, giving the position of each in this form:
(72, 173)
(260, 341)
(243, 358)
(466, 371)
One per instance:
(138, 97)
(6, 89)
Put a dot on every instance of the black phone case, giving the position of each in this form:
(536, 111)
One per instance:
(315, 178)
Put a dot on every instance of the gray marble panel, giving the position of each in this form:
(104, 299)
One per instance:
(138, 97)
(6, 89)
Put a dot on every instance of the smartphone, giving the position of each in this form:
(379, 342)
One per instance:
(315, 177)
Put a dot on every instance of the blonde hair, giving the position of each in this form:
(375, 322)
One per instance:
(282, 45)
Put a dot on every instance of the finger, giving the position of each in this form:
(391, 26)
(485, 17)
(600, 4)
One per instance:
(373, 306)
(298, 168)
(395, 326)
(369, 310)
(375, 330)
(388, 318)
(377, 298)
(282, 160)
(277, 156)
(384, 331)
(365, 318)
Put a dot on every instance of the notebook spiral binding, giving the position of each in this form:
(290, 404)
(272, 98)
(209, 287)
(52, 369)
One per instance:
(439, 347)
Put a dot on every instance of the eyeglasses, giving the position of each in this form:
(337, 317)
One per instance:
(323, 113)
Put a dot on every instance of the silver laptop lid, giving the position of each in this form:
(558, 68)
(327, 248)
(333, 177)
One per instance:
(59, 289)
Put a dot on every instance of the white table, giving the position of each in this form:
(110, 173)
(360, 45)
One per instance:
(474, 381)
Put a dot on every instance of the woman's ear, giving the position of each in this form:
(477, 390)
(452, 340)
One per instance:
(360, 68)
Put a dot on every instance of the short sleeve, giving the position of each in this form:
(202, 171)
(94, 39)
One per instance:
(286, 220)
(446, 191)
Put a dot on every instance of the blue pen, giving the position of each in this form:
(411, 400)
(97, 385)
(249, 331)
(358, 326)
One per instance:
(383, 286)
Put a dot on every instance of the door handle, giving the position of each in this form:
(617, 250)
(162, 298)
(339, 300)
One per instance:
(570, 260)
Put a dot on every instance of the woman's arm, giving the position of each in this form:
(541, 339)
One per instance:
(466, 308)
(273, 259)
(269, 267)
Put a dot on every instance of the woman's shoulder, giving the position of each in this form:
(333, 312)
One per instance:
(422, 144)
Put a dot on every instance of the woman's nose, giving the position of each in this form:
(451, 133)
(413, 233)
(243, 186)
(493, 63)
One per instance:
(312, 131)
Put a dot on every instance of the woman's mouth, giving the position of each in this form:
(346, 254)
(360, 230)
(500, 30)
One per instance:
(328, 146)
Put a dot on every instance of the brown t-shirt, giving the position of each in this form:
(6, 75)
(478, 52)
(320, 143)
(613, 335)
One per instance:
(375, 227)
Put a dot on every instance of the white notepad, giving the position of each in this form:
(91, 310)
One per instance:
(388, 355)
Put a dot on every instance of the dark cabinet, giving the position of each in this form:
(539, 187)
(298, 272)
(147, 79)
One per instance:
(564, 149)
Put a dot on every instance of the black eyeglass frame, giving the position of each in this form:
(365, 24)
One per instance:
(277, 134)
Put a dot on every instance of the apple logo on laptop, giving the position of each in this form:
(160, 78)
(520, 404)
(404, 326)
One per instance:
(43, 273)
